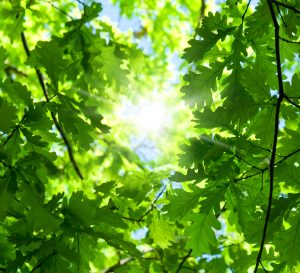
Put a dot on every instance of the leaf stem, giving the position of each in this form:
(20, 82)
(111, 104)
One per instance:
(287, 6)
(14, 130)
(43, 261)
(183, 261)
(275, 137)
(291, 102)
(55, 120)
(289, 41)
(141, 218)
(244, 14)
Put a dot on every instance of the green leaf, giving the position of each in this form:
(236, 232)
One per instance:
(10, 113)
(201, 236)
(137, 185)
(49, 55)
(81, 209)
(161, 231)
(199, 48)
(181, 203)
(201, 84)
(259, 23)
(5, 197)
(288, 241)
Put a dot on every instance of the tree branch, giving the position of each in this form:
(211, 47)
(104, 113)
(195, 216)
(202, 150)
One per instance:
(141, 218)
(286, 6)
(43, 261)
(55, 120)
(183, 261)
(201, 16)
(14, 130)
(291, 102)
(287, 156)
(275, 137)
(244, 14)
(248, 163)
(119, 264)
(289, 41)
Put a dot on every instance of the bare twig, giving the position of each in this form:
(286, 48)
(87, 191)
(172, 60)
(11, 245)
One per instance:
(289, 41)
(43, 261)
(281, 17)
(275, 137)
(14, 130)
(291, 102)
(119, 264)
(265, 270)
(183, 261)
(248, 163)
(55, 120)
(59, 9)
(244, 14)
(140, 219)
(201, 16)
(287, 156)
(287, 6)
(125, 261)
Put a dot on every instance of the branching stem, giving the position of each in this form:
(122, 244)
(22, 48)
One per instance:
(275, 137)
(54, 118)
(286, 6)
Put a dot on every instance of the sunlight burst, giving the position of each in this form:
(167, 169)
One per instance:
(150, 116)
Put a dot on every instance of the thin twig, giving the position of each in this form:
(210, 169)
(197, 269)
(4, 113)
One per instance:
(287, 156)
(14, 130)
(119, 264)
(291, 102)
(248, 163)
(141, 218)
(6, 165)
(275, 137)
(153, 203)
(244, 14)
(281, 17)
(43, 261)
(183, 260)
(55, 120)
(201, 16)
(265, 270)
(286, 6)
(289, 41)
(59, 9)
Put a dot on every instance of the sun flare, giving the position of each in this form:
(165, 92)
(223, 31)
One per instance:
(150, 116)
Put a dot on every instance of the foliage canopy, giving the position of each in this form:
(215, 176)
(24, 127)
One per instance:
(76, 196)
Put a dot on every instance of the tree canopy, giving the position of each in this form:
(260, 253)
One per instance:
(165, 142)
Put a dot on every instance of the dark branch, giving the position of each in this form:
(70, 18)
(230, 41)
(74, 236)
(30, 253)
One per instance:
(60, 10)
(43, 261)
(55, 120)
(201, 16)
(6, 165)
(275, 137)
(183, 261)
(291, 102)
(248, 163)
(286, 6)
(14, 130)
(265, 270)
(246, 177)
(244, 14)
(289, 41)
(149, 210)
(281, 17)
(287, 156)
(119, 264)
